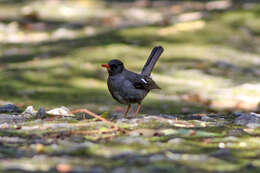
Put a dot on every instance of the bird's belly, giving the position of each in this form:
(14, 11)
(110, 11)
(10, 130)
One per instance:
(115, 90)
(125, 93)
(116, 95)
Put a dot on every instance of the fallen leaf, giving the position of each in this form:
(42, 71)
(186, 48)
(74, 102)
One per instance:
(193, 133)
(104, 115)
(39, 148)
(64, 168)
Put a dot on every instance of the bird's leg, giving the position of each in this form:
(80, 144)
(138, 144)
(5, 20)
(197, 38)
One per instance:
(127, 110)
(138, 109)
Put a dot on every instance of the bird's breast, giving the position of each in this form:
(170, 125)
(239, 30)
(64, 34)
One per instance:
(116, 89)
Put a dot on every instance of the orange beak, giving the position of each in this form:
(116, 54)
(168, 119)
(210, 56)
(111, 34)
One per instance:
(106, 66)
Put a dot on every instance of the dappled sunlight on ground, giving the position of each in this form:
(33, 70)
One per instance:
(199, 59)
(51, 54)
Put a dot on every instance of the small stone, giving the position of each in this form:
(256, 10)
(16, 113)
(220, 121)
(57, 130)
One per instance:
(237, 132)
(168, 116)
(120, 170)
(237, 114)
(63, 33)
(226, 65)
(221, 122)
(255, 114)
(10, 108)
(243, 144)
(176, 141)
(221, 145)
(4, 126)
(41, 113)
(97, 170)
(230, 139)
(9, 118)
(135, 133)
(142, 132)
(253, 125)
(194, 117)
(29, 112)
(132, 140)
(63, 111)
(224, 152)
(117, 116)
(60, 125)
(251, 120)
(207, 118)
(12, 140)
(157, 157)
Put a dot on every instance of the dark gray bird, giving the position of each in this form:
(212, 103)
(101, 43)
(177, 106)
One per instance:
(129, 87)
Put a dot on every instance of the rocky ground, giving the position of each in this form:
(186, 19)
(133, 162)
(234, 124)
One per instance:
(147, 143)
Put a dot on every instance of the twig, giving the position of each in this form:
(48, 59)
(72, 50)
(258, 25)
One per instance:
(95, 131)
(113, 129)
(94, 115)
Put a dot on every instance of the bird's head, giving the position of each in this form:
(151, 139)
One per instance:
(114, 67)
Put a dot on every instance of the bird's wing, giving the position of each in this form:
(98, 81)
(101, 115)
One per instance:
(145, 82)
(140, 81)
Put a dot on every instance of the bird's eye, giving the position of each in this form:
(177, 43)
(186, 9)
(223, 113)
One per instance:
(113, 67)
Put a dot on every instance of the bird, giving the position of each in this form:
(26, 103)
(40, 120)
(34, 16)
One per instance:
(128, 87)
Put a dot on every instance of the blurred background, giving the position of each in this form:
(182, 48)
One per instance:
(51, 52)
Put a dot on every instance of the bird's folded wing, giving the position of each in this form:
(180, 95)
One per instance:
(145, 82)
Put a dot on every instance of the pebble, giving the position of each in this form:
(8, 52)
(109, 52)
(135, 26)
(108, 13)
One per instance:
(223, 152)
(230, 139)
(41, 113)
(168, 116)
(60, 111)
(29, 112)
(251, 120)
(120, 170)
(7, 118)
(133, 140)
(207, 118)
(97, 170)
(10, 108)
(237, 132)
(176, 141)
(4, 126)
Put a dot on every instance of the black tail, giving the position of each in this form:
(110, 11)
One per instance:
(151, 61)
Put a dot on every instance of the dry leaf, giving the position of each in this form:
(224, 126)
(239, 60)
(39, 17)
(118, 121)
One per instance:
(64, 168)
(40, 148)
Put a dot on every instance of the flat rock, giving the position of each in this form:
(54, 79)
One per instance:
(10, 108)
(208, 119)
(41, 113)
(60, 111)
(6, 118)
(237, 132)
(29, 112)
(221, 153)
(251, 120)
